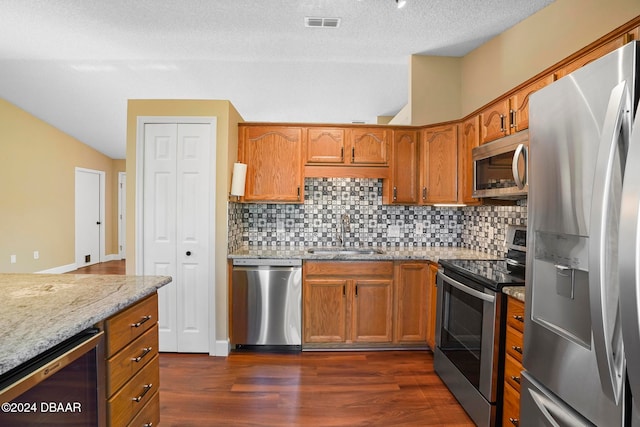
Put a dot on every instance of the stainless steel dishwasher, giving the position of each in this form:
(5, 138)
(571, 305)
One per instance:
(266, 302)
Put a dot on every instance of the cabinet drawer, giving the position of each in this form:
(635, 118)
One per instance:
(511, 407)
(134, 395)
(129, 324)
(512, 371)
(348, 268)
(514, 343)
(149, 415)
(127, 362)
(515, 314)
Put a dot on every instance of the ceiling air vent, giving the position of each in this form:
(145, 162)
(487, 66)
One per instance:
(321, 22)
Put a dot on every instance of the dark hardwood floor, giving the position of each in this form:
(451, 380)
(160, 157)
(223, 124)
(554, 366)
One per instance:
(386, 388)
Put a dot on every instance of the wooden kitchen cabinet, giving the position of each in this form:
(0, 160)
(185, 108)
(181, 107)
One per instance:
(132, 366)
(468, 139)
(412, 287)
(513, 362)
(402, 187)
(347, 303)
(509, 115)
(439, 175)
(368, 146)
(273, 155)
(325, 145)
(432, 300)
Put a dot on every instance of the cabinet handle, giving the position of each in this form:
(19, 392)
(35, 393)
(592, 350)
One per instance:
(395, 193)
(344, 291)
(342, 154)
(516, 379)
(149, 424)
(424, 193)
(353, 154)
(514, 421)
(141, 322)
(147, 387)
(503, 129)
(356, 290)
(145, 351)
(298, 192)
(512, 119)
(518, 318)
(517, 348)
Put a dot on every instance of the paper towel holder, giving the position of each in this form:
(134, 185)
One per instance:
(238, 180)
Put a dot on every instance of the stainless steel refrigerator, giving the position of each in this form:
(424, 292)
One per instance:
(582, 336)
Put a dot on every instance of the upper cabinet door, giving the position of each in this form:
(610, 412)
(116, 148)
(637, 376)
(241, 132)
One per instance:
(519, 112)
(440, 175)
(494, 121)
(369, 146)
(404, 169)
(273, 155)
(468, 139)
(326, 145)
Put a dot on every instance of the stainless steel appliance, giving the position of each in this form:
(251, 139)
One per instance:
(500, 168)
(63, 386)
(266, 302)
(581, 323)
(469, 327)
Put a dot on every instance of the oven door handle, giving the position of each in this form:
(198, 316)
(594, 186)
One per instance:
(466, 289)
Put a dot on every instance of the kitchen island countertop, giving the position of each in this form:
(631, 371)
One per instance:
(39, 311)
(423, 253)
(515, 291)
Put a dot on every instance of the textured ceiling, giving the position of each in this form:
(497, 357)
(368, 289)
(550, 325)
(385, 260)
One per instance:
(74, 63)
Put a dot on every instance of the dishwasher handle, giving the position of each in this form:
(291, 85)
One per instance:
(263, 267)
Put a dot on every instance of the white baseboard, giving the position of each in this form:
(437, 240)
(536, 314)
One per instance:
(59, 270)
(222, 348)
(70, 267)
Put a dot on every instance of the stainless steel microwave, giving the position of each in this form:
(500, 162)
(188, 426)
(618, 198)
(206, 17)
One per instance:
(500, 168)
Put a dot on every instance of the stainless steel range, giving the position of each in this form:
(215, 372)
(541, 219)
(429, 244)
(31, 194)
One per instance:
(470, 327)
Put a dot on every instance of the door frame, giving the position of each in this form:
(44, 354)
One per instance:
(139, 205)
(101, 245)
(122, 214)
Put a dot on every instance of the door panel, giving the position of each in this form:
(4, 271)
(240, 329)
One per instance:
(88, 217)
(176, 230)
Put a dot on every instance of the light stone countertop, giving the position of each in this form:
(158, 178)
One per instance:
(424, 253)
(515, 291)
(38, 311)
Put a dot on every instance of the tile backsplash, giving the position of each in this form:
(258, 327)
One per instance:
(317, 220)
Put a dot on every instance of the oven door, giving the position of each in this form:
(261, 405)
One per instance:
(467, 344)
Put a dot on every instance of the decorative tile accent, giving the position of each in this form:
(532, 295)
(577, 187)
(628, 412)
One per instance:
(317, 220)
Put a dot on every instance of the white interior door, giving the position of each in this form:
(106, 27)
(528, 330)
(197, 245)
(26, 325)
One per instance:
(176, 230)
(89, 228)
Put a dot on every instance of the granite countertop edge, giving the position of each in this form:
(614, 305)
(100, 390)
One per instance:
(515, 291)
(422, 253)
(42, 310)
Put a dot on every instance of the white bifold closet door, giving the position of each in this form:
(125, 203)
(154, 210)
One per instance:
(176, 230)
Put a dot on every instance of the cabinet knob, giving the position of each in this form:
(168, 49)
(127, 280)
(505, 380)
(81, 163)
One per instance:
(517, 348)
(188, 253)
(518, 317)
(516, 379)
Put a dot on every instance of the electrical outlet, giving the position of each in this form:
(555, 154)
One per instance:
(13, 259)
(36, 255)
(393, 231)
(419, 228)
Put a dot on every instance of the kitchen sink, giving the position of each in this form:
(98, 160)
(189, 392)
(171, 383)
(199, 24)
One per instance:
(345, 251)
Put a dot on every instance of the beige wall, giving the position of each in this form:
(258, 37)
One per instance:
(538, 42)
(444, 88)
(435, 89)
(37, 202)
(226, 154)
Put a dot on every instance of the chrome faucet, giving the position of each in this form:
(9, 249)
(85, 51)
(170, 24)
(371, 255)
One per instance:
(345, 227)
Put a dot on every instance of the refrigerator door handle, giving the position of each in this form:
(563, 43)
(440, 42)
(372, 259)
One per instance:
(603, 293)
(521, 150)
(629, 262)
